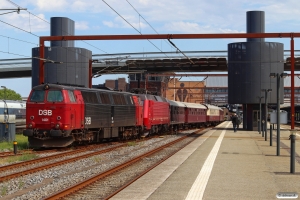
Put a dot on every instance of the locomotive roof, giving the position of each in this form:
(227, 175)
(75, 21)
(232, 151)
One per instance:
(151, 97)
(66, 87)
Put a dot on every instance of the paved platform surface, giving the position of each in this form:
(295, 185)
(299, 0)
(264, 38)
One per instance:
(222, 164)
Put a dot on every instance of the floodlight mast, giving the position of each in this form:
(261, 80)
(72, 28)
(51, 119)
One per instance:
(176, 36)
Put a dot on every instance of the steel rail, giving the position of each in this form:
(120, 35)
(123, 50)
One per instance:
(40, 168)
(87, 182)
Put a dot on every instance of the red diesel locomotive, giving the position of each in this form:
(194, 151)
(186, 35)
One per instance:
(57, 115)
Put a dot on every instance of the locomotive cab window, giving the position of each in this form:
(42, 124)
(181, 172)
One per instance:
(54, 96)
(71, 96)
(37, 96)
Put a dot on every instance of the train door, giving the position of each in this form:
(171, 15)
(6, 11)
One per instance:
(255, 119)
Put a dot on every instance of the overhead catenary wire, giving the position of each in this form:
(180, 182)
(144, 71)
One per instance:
(180, 51)
(136, 29)
(44, 21)
(172, 44)
(19, 28)
(19, 40)
(130, 24)
(144, 19)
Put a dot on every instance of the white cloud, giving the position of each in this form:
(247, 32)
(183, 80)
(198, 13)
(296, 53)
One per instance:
(81, 25)
(188, 27)
(110, 24)
(26, 22)
(53, 5)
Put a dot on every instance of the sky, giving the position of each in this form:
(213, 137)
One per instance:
(19, 33)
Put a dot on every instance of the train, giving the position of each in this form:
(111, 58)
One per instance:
(13, 112)
(287, 108)
(60, 115)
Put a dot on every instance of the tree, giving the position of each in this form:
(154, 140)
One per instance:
(9, 94)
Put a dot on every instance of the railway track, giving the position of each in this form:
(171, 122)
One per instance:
(7, 168)
(135, 168)
(32, 182)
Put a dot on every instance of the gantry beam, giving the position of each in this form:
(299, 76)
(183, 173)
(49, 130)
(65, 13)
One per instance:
(177, 36)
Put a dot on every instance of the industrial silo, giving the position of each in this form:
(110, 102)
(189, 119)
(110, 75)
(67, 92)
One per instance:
(64, 64)
(249, 66)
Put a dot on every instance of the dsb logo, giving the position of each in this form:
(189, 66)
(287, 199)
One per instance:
(45, 112)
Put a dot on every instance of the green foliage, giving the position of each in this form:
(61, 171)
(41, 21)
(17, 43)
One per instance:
(24, 157)
(4, 190)
(21, 140)
(9, 94)
(21, 183)
(131, 143)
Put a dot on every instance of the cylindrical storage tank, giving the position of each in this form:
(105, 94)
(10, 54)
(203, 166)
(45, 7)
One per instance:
(74, 69)
(255, 24)
(62, 26)
(249, 68)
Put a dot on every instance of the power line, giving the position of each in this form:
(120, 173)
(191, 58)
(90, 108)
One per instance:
(158, 34)
(19, 40)
(14, 54)
(50, 23)
(144, 19)
(136, 29)
(19, 28)
(130, 24)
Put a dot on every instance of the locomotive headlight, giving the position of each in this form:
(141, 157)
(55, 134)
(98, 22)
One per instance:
(32, 117)
(58, 125)
(58, 118)
(31, 125)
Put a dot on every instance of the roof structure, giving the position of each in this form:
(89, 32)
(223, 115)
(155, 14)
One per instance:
(17, 68)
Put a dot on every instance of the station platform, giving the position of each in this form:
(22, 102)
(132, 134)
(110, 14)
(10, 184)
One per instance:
(223, 164)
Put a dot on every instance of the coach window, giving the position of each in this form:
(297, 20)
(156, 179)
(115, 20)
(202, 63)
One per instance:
(37, 96)
(54, 96)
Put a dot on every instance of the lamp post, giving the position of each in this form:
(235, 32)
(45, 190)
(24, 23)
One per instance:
(5, 105)
(278, 76)
(266, 112)
(259, 124)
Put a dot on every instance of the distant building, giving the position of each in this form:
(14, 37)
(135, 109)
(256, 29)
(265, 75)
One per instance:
(120, 85)
(154, 84)
(185, 91)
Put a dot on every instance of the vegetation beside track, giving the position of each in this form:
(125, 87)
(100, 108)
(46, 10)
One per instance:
(21, 140)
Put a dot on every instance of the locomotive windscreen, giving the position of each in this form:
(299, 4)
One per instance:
(37, 96)
(54, 96)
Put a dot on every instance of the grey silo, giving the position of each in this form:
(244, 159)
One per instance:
(249, 66)
(74, 66)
